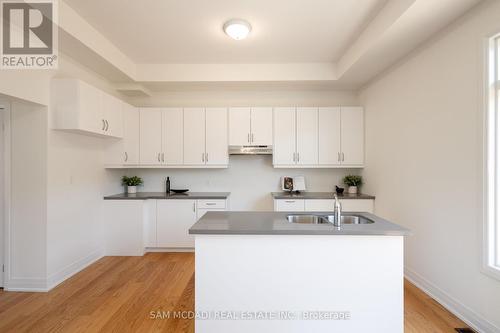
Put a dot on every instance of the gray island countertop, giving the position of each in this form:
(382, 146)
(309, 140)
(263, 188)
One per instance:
(275, 223)
(319, 195)
(164, 195)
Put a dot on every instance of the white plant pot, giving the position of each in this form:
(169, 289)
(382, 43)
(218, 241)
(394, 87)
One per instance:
(131, 189)
(353, 190)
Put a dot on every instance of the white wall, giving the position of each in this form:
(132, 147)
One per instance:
(28, 225)
(250, 179)
(424, 153)
(3, 111)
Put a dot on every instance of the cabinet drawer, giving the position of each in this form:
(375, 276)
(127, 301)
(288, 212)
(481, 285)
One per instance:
(203, 211)
(285, 205)
(212, 204)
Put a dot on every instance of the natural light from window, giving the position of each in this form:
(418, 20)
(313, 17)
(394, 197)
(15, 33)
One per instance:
(492, 181)
(497, 167)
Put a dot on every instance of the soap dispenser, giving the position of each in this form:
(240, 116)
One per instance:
(168, 185)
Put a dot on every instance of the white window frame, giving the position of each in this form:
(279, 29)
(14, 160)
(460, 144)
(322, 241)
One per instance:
(491, 179)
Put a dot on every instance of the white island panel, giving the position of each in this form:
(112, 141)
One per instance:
(299, 274)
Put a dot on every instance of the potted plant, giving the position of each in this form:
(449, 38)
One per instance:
(353, 182)
(131, 183)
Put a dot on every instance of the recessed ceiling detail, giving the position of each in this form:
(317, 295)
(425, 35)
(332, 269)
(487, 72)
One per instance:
(328, 42)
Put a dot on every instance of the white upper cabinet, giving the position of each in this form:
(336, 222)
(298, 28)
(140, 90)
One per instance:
(194, 136)
(284, 150)
(126, 151)
(295, 137)
(329, 136)
(131, 134)
(302, 137)
(81, 108)
(216, 137)
(190, 137)
(150, 136)
(352, 136)
(112, 115)
(261, 126)
(251, 126)
(307, 136)
(239, 126)
(162, 136)
(173, 136)
(326, 137)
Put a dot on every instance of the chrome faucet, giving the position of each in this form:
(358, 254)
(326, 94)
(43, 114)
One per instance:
(337, 212)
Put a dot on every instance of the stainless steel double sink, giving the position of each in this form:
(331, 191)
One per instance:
(324, 219)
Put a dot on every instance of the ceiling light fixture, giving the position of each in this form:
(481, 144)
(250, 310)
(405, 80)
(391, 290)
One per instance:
(237, 29)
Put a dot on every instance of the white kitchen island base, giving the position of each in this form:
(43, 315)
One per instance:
(299, 283)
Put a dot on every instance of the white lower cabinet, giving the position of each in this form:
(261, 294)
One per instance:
(173, 220)
(132, 227)
(323, 205)
(124, 227)
(169, 221)
(150, 232)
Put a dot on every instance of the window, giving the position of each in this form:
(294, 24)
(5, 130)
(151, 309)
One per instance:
(492, 162)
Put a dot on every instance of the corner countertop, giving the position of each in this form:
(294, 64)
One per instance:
(319, 195)
(164, 195)
(275, 223)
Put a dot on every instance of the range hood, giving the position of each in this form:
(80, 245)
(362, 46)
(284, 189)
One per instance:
(250, 150)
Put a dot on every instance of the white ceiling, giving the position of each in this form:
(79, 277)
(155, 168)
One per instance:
(190, 31)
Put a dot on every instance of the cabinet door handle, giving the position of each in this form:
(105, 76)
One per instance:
(210, 203)
(290, 201)
(298, 157)
(159, 157)
(194, 207)
(126, 157)
(163, 157)
(338, 157)
(248, 137)
(107, 124)
(203, 157)
(253, 138)
(103, 125)
(206, 159)
(342, 157)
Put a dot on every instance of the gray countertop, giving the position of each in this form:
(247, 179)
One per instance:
(318, 195)
(275, 223)
(164, 195)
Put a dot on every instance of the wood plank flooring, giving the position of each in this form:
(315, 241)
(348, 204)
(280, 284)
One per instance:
(117, 294)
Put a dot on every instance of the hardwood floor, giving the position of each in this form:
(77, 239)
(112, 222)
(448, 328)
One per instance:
(117, 294)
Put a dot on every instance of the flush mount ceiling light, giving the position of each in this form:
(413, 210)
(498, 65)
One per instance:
(237, 29)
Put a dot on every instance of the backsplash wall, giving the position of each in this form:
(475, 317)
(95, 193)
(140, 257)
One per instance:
(250, 179)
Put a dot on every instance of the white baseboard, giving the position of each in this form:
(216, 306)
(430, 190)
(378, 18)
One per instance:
(169, 249)
(73, 268)
(471, 318)
(26, 284)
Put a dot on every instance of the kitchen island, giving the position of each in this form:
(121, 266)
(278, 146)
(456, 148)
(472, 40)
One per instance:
(258, 272)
